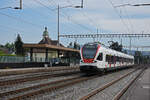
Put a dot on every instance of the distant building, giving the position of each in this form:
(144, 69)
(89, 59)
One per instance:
(48, 48)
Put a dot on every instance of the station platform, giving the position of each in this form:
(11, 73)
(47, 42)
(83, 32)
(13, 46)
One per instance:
(140, 89)
(35, 68)
(15, 71)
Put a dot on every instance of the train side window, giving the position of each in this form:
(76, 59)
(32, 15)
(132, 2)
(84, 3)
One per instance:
(107, 58)
(100, 57)
(117, 59)
(112, 59)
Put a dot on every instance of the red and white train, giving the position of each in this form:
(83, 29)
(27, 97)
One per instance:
(96, 57)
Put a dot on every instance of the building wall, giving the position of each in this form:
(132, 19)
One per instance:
(51, 54)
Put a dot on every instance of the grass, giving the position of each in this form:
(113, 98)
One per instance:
(4, 54)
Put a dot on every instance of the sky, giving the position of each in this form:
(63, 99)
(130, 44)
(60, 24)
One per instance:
(95, 14)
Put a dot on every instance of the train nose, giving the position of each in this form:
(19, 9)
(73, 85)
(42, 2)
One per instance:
(88, 68)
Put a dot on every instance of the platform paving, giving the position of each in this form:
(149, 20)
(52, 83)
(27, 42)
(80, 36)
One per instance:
(139, 90)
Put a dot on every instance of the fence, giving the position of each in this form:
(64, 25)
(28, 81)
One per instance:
(12, 59)
(53, 61)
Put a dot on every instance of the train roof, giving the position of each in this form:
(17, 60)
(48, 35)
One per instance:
(117, 53)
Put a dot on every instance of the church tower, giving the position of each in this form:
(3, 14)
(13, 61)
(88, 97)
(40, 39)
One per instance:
(45, 33)
(46, 39)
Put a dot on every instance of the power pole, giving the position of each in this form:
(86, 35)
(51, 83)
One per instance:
(20, 4)
(58, 25)
(20, 7)
(97, 34)
(130, 44)
(82, 4)
(58, 29)
(121, 41)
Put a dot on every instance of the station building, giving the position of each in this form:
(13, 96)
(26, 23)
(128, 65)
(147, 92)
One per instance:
(47, 49)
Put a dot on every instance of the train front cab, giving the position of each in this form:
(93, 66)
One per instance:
(95, 66)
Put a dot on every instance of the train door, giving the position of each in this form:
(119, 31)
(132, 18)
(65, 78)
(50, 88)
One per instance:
(100, 60)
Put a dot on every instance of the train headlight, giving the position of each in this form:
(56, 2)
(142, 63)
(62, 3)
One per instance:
(94, 61)
(81, 60)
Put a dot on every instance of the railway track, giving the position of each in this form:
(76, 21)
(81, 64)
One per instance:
(40, 86)
(29, 92)
(41, 89)
(99, 92)
(120, 93)
(34, 78)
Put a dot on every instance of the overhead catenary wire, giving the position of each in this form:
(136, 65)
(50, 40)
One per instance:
(128, 30)
(53, 10)
(12, 28)
(21, 20)
(83, 26)
(42, 15)
(64, 15)
(128, 18)
(85, 15)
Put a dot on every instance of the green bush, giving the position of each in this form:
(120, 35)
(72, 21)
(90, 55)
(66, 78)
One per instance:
(4, 54)
(1, 52)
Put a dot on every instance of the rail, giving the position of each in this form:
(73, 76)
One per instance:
(106, 86)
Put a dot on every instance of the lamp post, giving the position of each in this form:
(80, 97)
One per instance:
(58, 18)
(146, 4)
(13, 7)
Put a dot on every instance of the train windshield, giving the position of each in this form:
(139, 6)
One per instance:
(89, 51)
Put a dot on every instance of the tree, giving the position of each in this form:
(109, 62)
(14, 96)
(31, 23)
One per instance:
(19, 46)
(70, 45)
(10, 46)
(76, 45)
(138, 57)
(116, 46)
(125, 51)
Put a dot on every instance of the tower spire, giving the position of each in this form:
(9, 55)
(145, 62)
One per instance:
(45, 33)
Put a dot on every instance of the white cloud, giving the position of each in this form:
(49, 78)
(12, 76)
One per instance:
(101, 13)
(107, 22)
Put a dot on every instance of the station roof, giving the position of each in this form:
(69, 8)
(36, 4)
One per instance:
(48, 46)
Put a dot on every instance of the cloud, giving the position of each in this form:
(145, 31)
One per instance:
(103, 15)
(106, 22)
(100, 14)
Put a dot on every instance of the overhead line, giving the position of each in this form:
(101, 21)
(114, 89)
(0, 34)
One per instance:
(19, 19)
(83, 26)
(43, 5)
(106, 35)
(84, 14)
(119, 16)
(11, 28)
(129, 19)
(39, 2)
